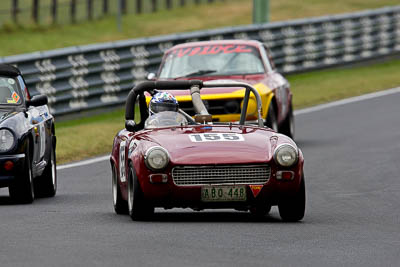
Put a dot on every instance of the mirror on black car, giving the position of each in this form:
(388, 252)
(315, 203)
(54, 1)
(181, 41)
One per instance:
(151, 76)
(38, 100)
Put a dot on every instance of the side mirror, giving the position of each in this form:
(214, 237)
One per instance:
(38, 100)
(151, 76)
(130, 125)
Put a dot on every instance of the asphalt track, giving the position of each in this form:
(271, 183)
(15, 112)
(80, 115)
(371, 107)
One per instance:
(352, 168)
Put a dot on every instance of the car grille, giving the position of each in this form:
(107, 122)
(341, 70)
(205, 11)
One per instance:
(208, 175)
(214, 107)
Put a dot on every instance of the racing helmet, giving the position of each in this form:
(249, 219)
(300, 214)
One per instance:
(162, 101)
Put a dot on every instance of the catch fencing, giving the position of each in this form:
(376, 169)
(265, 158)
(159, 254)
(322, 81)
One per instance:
(46, 12)
(97, 76)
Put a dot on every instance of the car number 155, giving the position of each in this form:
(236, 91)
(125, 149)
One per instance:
(215, 137)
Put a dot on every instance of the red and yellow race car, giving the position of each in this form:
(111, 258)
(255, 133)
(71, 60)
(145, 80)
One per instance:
(239, 60)
(171, 159)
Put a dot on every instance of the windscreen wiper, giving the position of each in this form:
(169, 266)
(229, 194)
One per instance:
(197, 73)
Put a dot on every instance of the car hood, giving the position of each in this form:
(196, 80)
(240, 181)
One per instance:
(258, 81)
(6, 114)
(256, 146)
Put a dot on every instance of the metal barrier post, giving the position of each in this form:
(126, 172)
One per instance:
(260, 11)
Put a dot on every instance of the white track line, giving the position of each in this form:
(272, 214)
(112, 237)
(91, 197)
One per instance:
(297, 112)
(347, 101)
(84, 162)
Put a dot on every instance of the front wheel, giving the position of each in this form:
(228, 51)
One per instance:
(22, 190)
(138, 209)
(46, 184)
(120, 205)
(292, 209)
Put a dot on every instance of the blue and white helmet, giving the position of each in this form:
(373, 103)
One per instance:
(162, 101)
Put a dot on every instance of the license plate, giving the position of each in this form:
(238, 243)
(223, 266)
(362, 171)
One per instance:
(223, 193)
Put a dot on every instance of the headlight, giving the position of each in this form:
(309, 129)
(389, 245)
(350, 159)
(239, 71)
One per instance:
(156, 158)
(6, 140)
(286, 155)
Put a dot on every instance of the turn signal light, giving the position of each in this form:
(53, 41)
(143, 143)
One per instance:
(285, 175)
(8, 165)
(158, 178)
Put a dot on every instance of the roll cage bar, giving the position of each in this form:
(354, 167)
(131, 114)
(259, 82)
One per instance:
(194, 86)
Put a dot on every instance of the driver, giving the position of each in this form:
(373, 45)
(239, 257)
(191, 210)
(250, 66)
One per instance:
(162, 101)
(163, 111)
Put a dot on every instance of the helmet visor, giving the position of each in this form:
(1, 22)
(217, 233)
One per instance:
(160, 107)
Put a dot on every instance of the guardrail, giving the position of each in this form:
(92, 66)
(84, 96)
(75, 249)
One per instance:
(100, 75)
(72, 11)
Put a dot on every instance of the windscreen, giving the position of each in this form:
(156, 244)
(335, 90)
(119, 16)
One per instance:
(9, 93)
(165, 119)
(212, 60)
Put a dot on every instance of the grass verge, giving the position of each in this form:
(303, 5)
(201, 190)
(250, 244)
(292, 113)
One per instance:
(93, 136)
(14, 38)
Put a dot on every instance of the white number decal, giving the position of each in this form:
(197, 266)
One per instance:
(122, 173)
(215, 137)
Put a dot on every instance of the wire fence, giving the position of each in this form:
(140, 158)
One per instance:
(47, 12)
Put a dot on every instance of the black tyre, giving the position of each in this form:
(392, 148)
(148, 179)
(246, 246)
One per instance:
(292, 209)
(46, 184)
(288, 125)
(22, 190)
(260, 211)
(138, 209)
(120, 205)
(271, 121)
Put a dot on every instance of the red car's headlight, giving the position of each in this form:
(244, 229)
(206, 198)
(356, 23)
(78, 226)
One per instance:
(156, 158)
(286, 155)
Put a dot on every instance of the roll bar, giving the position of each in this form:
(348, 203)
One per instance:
(149, 86)
(193, 85)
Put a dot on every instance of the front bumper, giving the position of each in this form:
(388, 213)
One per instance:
(169, 195)
(8, 176)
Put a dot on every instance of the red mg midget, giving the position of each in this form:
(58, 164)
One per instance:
(171, 159)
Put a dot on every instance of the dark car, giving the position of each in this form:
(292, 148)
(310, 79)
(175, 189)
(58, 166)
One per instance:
(170, 159)
(27, 140)
(246, 61)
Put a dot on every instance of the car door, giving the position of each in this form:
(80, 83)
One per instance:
(36, 120)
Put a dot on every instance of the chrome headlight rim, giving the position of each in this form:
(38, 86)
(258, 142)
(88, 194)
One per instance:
(279, 149)
(13, 140)
(147, 154)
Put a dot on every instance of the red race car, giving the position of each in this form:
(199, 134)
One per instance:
(240, 60)
(167, 158)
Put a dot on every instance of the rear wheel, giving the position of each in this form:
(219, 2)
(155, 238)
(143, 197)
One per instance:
(288, 124)
(271, 120)
(120, 205)
(46, 184)
(138, 209)
(22, 190)
(292, 209)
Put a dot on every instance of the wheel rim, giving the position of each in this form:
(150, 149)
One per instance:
(53, 172)
(31, 183)
(130, 195)
(114, 187)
